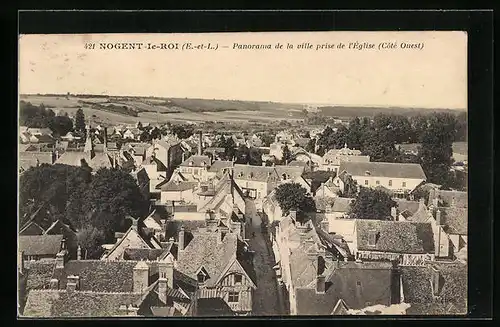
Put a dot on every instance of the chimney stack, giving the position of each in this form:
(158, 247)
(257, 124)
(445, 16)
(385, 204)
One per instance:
(140, 277)
(54, 284)
(320, 284)
(394, 213)
(438, 217)
(293, 215)
(325, 225)
(181, 238)
(72, 283)
(200, 143)
(436, 282)
(166, 278)
(79, 253)
(105, 139)
(60, 259)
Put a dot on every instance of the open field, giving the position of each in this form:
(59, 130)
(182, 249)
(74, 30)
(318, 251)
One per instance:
(120, 109)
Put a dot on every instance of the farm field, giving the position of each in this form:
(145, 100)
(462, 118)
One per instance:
(127, 110)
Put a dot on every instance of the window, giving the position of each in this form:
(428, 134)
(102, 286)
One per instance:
(233, 297)
(358, 283)
(390, 182)
(404, 184)
(238, 279)
(201, 277)
(366, 182)
(377, 182)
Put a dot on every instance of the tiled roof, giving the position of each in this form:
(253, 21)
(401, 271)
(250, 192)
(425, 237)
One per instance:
(255, 173)
(395, 236)
(410, 206)
(218, 165)
(296, 163)
(53, 303)
(99, 275)
(383, 169)
(190, 226)
(40, 244)
(301, 141)
(205, 251)
(460, 199)
(31, 228)
(197, 161)
(38, 273)
(454, 220)
(173, 186)
(292, 172)
(100, 160)
(417, 287)
(142, 254)
(357, 284)
(72, 158)
(342, 204)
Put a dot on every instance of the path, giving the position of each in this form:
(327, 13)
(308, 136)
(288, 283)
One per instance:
(265, 299)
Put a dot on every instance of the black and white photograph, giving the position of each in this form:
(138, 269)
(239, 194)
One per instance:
(253, 174)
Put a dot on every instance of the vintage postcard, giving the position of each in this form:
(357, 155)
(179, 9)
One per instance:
(242, 174)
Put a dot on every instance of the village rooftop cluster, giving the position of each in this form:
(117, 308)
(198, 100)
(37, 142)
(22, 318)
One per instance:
(217, 241)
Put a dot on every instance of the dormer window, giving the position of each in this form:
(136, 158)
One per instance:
(251, 175)
(367, 173)
(283, 176)
(190, 163)
(202, 275)
(203, 164)
(240, 174)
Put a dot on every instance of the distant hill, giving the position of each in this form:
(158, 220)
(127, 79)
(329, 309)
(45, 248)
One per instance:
(128, 109)
(345, 111)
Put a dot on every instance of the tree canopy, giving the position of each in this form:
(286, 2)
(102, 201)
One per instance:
(372, 204)
(42, 117)
(80, 122)
(71, 194)
(292, 196)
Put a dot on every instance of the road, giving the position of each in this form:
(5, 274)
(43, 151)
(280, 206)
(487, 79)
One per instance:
(265, 299)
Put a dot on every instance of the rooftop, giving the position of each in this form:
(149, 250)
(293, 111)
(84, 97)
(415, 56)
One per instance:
(383, 169)
(40, 244)
(395, 236)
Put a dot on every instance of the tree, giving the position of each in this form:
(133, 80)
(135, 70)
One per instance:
(254, 157)
(145, 136)
(90, 240)
(182, 131)
(287, 155)
(292, 196)
(311, 146)
(436, 150)
(80, 122)
(155, 133)
(112, 195)
(60, 125)
(267, 139)
(372, 204)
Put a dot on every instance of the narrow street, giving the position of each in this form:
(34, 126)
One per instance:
(265, 300)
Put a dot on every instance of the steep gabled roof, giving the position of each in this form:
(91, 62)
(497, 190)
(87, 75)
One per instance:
(454, 220)
(197, 161)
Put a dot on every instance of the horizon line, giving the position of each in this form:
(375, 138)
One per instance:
(246, 100)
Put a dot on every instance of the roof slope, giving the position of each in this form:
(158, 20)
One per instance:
(454, 220)
(54, 303)
(205, 251)
(383, 169)
(417, 288)
(197, 161)
(99, 275)
(357, 284)
(459, 199)
(395, 236)
(40, 244)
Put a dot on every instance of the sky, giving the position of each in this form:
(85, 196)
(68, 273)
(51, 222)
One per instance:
(432, 77)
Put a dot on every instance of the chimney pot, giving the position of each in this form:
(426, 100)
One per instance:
(320, 284)
(181, 238)
(438, 217)
(20, 260)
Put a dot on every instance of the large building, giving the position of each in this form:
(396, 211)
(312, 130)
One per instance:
(400, 178)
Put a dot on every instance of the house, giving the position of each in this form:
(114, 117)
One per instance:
(70, 137)
(346, 286)
(406, 209)
(134, 151)
(39, 131)
(437, 288)
(400, 178)
(134, 237)
(409, 243)
(31, 229)
(214, 152)
(332, 159)
(28, 159)
(40, 247)
(445, 198)
(408, 148)
(156, 171)
(70, 237)
(132, 134)
(89, 156)
(218, 168)
(167, 151)
(216, 258)
(195, 167)
(271, 207)
(94, 288)
(177, 191)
